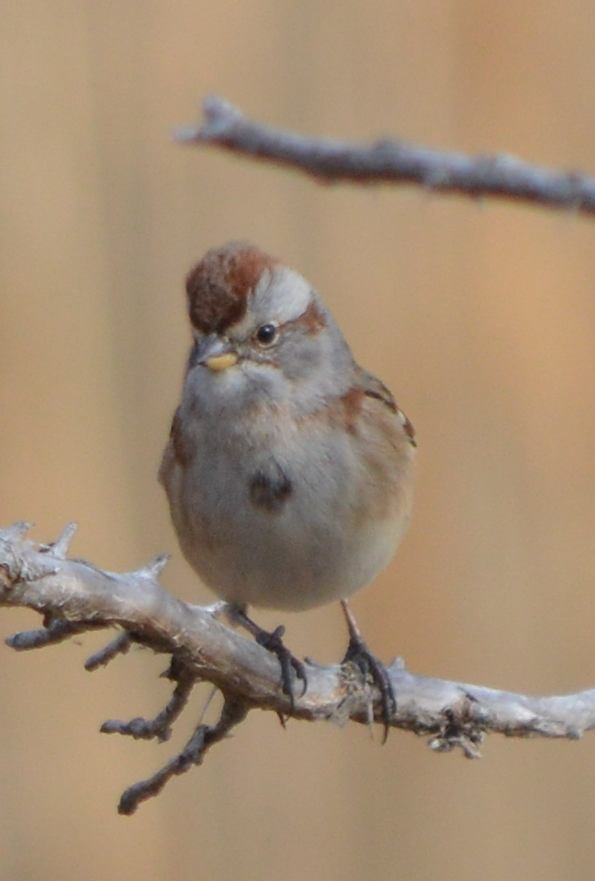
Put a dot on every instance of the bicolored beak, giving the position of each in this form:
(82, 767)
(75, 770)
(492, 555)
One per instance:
(215, 353)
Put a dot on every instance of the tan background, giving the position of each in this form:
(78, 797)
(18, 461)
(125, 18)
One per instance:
(481, 317)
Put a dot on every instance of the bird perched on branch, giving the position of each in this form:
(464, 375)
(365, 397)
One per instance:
(289, 468)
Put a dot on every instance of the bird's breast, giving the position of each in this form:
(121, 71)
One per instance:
(268, 518)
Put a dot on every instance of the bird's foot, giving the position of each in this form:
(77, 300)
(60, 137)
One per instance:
(360, 655)
(291, 667)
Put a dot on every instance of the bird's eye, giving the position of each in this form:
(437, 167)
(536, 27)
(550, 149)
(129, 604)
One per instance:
(267, 334)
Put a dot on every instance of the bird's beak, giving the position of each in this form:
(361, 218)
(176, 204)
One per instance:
(215, 353)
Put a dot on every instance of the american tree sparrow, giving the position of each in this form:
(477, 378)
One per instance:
(289, 468)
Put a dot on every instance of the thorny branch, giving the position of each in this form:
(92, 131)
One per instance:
(389, 160)
(74, 596)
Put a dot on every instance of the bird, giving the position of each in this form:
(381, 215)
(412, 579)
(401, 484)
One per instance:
(289, 468)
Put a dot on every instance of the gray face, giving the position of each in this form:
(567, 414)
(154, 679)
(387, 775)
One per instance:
(287, 344)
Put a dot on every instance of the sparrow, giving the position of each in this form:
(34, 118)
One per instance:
(289, 468)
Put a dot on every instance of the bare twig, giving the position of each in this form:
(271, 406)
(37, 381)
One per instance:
(391, 161)
(117, 646)
(55, 630)
(203, 737)
(74, 596)
(160, 726)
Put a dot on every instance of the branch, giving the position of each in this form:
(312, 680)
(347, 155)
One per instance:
(74, 596)
(393, 161)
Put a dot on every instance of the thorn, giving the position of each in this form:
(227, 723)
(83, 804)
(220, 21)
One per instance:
(218, 610)
(398, 663)
(59, 548)
(16, 530)
(154, 567)
(219, 114)
(185, 134)
(214, 107)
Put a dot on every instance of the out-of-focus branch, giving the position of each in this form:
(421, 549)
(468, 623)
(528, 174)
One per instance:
(391, 161)
(74, 596)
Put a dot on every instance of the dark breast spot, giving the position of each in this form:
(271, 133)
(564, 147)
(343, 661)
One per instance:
(270, 489)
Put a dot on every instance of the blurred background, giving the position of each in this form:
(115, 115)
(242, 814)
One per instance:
(481, 318)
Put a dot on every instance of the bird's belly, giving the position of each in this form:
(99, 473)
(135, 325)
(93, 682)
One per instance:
(315, 546)
(288, 563)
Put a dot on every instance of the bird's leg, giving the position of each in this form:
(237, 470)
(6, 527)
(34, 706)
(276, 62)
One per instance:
(359, 654)
(273, 642)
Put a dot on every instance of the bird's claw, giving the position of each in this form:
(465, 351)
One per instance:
(290, 665)
(359, 654)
